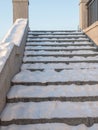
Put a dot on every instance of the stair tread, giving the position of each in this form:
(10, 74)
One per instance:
(57, 43)
(59, 37)
(42, 52)
(52, 47)
(58, 40)
(54, 76)
(58, 59)
(56, 36)
(48, 126)
(56, 32)
(49, 110)
(21, 91)
(60, 66)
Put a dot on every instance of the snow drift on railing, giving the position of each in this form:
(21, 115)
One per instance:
(16, 32)
(12, 38)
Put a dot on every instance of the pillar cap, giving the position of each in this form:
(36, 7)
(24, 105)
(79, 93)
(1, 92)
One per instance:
(84, 1)
(20, 0)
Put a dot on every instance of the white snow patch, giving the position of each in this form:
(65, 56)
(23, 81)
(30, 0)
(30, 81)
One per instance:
(12, 38)
(5, 50)
(53, 109)
(16, 32)
(66, 39)
(52, 126)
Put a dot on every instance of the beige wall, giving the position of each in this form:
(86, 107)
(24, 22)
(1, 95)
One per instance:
(92, 32)
(20, 9)
(83, 14)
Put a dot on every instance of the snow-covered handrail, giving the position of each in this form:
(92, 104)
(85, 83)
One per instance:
(11, 53)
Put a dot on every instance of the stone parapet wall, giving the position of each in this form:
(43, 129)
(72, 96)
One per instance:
(11, 49)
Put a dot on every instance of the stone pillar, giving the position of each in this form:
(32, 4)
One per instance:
(83, 14)
(20, 9)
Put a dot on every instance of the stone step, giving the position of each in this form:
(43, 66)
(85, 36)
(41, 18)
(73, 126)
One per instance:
(60, 66)
(55, 33)
(59, 47)
(52, 77)
(58, 53)
(57, 37)
(75, 93)
(61, 55)
(71, 113)
(48, 126)
(57, 40)
(52, 59)
(59, 44)
(71, 50)
(57, 62)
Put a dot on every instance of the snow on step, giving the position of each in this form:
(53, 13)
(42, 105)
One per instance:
(20, 91)
(55, 39)
(56, 47)
(47, 126)
(26, 76)
(57, 36)
(60, 66)
(42, 52)
(58, 59)
(56, 32)
(57, 43)
(48, 110)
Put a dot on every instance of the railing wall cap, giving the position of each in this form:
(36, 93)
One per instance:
(16, 32)
(12, 38)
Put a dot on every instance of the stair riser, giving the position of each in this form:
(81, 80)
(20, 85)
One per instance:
(69, 121)
(56, 83)
(62, 99)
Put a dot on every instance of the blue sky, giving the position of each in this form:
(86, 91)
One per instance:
(44, 14)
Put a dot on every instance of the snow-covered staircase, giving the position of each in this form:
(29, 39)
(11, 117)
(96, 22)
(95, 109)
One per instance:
(57, 87)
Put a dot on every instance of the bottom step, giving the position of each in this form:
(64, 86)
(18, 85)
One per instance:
(55, 126)
(50, 112)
